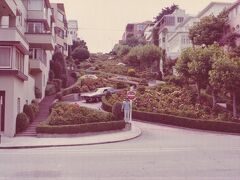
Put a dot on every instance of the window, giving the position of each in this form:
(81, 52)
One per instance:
(19, 61)
(65, 47)
(38, 54)
(35, 27)
(5, 57)
(170, 21)
(59, 32)
(35, 5)
(18, 105)
(180, 19)
(60, 16)
(163, 39)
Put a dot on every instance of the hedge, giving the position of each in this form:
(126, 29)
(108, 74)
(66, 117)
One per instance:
(81, 128)
(230, 127)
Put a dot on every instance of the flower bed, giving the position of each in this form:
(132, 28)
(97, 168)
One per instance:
(71, 118)
(221, 126)
(169, 99)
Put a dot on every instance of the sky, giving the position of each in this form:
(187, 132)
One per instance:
(102, 22)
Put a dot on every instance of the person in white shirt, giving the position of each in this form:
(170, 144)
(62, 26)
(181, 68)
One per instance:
(126, 107)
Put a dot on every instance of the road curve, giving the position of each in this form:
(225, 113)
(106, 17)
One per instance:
(160, 153)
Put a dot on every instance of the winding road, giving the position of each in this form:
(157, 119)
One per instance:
(161, 152)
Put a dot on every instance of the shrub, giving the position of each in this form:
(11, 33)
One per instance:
(51, 75)
(121, 85)
(74, 75)
(159, 76)
(58, 84)
(38, 93)
(28, 110)
(50, 90)
(64, 80)
(108, 95)
(174, 80)
(57, 69)
(76, 89)
(131, 72)
(59, 96)
(65, 114)
(141, 89)
(35, 108)
(84, 88)
(117, 111)
(80, 128)
(80, 54)
(22, 122)
(34, 101)
(143, 82)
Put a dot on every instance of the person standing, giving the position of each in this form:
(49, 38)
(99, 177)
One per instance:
(126, 107)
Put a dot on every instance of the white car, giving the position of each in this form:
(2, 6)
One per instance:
(121, 64)
(90, 76)
(96, 96)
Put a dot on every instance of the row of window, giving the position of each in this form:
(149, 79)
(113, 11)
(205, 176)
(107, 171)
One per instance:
(6, 59)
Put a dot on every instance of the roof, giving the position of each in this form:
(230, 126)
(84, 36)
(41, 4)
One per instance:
(234, 5)
(210, 6)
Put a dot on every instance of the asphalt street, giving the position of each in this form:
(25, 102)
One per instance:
(160, 153)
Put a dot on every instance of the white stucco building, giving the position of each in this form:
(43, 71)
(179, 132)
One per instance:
(73, 29)
(234, 19)
(179, 39)
(27, 42)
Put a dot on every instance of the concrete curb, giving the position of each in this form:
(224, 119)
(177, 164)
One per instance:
(122, 136)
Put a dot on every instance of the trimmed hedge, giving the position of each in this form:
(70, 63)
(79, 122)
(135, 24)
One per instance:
(231, 127)
(22, 122)
(81, 128)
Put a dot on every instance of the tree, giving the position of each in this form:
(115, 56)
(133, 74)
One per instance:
(134, 41)
(196, 63)
(79, 43)
(155, 36)
(121, 50)
(80, 54)
(144, 56)
(166, 11)
(225, 75)
(209, 30)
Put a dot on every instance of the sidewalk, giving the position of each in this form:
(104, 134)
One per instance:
(75, 140)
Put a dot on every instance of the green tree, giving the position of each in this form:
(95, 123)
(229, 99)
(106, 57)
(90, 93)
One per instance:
(166, 11)
(195, 63)
(144, 56)
(79, 43)
(225, 75)
(80, 54)
(209, 29)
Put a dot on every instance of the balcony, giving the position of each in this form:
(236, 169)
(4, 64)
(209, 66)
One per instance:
(12, 72)
(41, 15)
(13, 37)
(41, 40)
(36, 66)
(8, 7)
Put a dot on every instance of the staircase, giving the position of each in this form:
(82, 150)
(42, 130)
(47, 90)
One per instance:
(41, 116)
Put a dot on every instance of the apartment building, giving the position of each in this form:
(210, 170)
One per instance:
(16, 85)
(135, 30)
(148, 33)
(61, 28)
(179, 39)
(73, 29)
(39, 23)
(234, 18)
(30, 30)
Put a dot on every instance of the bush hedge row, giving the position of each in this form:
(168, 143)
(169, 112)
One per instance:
(231, 127)
(80, 128)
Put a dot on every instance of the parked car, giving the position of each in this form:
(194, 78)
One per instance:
(96, 96)
(121, 64)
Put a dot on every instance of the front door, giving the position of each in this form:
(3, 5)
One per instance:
(2, 110)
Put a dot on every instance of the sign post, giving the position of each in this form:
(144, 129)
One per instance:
(131, 96)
